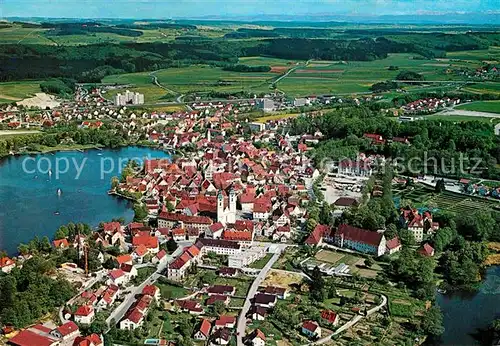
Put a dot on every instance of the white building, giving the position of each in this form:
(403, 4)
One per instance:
(128, 98)
(243, 259)
(497, 129)
(227, 214)
(267, 105)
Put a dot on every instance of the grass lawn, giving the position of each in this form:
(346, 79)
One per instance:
(242, 284)
(236, 302)
(259, 264)
(482, 106)
(143, 274)
(170, 291)
(276, 117)
(16, 91)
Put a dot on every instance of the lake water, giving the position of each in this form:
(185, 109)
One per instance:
(466, 314)
(29, 202)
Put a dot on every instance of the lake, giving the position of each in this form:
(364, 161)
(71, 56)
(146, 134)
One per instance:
(466, 313)
(30, 204)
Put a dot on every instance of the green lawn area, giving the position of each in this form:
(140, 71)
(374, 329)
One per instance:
(16, 91)
(170, 291)
(357, 76)
(482, 106)
(259, 264)
(260, 61)
(143, 274)
(237, 302)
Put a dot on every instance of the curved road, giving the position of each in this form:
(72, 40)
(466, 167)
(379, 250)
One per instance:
(242, 319)
(352, 322)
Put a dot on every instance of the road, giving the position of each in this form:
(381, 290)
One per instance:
(99, 276)
(351, 323)
(468, 113)
(129, 299)
(242, 319)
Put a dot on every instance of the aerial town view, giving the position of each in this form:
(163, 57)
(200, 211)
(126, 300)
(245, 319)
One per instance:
(249, 172)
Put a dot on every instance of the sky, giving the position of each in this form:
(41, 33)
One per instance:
(164, 9)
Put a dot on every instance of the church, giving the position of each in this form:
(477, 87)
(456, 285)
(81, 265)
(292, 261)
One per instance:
(226, 214)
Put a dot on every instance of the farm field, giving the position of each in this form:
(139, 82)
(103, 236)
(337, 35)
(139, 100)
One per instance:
(16, 91)
(16, 34)
(485, 87)
(320, 77)
(491, 54)
(200, 78)
(482, 106)
(259, 61)
(276, 117)
(422, 198)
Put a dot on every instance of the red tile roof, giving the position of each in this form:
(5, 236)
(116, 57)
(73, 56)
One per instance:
(393, 243)
(205, 327)
(359, 235)
(84, 310)
(29, 338)
(67, 328)
(123, 259)
(151, 242)
(310, 326)
(60, 243)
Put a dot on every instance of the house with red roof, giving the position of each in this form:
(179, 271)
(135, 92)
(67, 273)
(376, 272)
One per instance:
(150, 242)
(393, 245)
(225, 321)
(211, 300)
(257, 338)
(311, 329)
(203, 331)
(28, 337)
(153, 291)
(190, 306)
(426, 250)
(91, 340)
(160, 257)
(61, 243)
(117, 277)
(317, 235)
(124, 259)
(108, 297)
(85, 314)
(364, 241)
(66, 331)
(134, 318)
(7, 264)
(330, 316)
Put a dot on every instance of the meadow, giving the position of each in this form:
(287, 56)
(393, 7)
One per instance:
(342, 77)
(482, 106)
(198, 78)
(16, 91)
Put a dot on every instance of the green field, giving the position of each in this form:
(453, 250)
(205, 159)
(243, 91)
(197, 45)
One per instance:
(16, 91)
(491, 54)
(199, 78)
(260, 61)
(341, 77)
(482, 106)
(17, 34)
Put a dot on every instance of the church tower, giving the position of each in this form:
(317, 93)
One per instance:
(231, 215)
(220, 208)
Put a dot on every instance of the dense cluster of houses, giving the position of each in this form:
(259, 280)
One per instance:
(429, 105)
(65, 334)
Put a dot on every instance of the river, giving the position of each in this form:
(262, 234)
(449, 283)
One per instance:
(30, 204)
(466, 314)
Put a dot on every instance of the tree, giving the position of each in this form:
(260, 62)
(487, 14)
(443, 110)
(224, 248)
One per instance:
(317, 285)
(140, 212)
(369, 262)
(440, 186)
(432, 322)
(171, 245)
(169, 206)
(218, 308)
(115, 181)
(208, 278)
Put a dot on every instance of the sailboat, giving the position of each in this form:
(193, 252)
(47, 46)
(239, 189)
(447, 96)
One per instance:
(59, 192)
